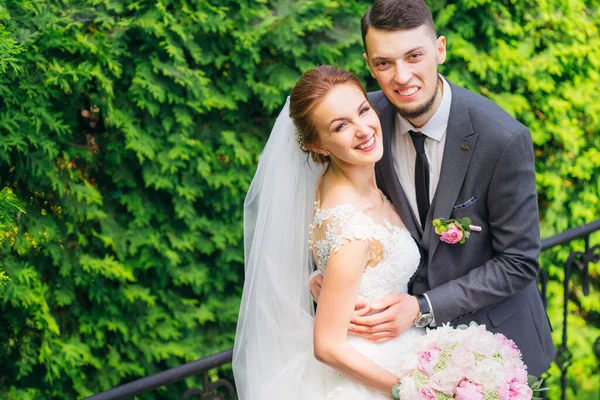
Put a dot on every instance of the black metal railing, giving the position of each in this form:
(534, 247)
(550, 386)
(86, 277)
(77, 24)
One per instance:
(214, 390)
(580, 260)
(164, 378)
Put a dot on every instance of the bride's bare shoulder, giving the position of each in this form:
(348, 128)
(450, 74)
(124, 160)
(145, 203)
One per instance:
(338, 195)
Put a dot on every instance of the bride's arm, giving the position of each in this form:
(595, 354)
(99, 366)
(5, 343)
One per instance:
(336, 305)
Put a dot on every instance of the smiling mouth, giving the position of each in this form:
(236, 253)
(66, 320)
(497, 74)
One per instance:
(407, 92)
(366, 144)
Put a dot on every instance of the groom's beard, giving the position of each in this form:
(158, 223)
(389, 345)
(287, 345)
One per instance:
(421, 110)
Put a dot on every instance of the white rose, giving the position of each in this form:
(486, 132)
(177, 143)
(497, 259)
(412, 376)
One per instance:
(463, 359)
(446, 380)
(482, 342)
(408, 390)
(489, 374)
(444, 336)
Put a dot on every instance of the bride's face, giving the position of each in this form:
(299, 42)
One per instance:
(347, 127)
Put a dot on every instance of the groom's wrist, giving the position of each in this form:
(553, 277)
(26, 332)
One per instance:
(430, 310)
(425, 318)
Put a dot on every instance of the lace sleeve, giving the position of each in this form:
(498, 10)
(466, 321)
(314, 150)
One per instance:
(334, 227)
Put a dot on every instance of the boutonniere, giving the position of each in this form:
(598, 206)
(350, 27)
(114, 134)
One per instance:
(454, 231)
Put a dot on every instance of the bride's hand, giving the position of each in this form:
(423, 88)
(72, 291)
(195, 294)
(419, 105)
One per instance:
(393, 315)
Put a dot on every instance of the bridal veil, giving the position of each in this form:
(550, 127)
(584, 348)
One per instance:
(273, 352)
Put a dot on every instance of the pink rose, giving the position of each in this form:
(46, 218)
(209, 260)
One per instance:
(468, 390)
(514, 375)
(453, 235)
(504, 391)
(508, 346)
(428, 359)
(520, 391)
(427, 392)
(515, 388)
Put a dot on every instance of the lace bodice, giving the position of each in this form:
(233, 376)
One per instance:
(334, 227)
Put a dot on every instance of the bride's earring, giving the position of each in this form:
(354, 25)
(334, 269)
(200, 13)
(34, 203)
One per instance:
(326, 153)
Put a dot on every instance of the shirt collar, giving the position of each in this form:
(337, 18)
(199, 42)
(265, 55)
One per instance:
(435, 128)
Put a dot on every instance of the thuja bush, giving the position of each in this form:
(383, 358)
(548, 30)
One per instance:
(131, 131)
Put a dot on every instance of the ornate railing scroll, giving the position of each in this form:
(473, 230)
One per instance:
(578, 261)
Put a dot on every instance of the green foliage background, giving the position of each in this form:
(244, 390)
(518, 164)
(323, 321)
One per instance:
(131, 131)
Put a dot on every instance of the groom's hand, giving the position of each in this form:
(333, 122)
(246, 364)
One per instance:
(394, 315)
(315, 286)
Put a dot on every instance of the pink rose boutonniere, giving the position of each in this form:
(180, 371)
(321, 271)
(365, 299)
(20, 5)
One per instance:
(454, 231)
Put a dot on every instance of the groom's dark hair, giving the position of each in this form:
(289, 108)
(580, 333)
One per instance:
(396, 15)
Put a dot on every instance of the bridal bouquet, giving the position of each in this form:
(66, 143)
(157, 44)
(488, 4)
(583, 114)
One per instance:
(466, 363)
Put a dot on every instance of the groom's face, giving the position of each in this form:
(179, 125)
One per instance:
(405, 64)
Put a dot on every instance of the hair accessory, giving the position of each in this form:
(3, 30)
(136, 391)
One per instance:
(299, 140)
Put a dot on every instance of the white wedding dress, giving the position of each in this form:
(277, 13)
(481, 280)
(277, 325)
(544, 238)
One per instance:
(273, 357)
(400, 258)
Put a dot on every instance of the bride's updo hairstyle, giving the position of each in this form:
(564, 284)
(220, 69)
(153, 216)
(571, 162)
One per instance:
(312, 87)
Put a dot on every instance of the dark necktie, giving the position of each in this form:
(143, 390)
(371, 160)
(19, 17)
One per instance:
(421, 176)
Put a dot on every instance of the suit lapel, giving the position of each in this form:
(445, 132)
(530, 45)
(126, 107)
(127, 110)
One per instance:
(459, 147)
(388, 172)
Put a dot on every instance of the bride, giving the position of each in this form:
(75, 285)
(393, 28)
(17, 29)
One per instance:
(314, 197)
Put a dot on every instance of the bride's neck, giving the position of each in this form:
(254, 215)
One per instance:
(362, 178)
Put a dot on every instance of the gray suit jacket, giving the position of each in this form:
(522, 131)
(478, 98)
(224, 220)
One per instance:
(488, 175)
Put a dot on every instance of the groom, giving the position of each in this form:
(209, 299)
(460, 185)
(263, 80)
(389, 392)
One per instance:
(450, 153)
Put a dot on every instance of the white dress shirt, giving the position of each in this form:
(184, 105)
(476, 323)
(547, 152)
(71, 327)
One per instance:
(403, 149)
(404, 154)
